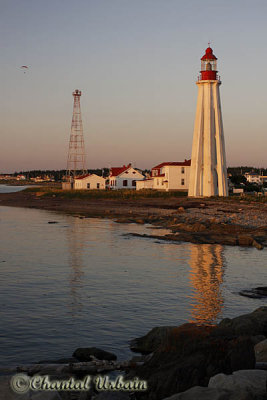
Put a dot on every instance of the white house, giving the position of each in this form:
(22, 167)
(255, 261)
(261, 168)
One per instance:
(89, 181)
(21, 178)
(168, 176)
(124, 177)
(254, 177)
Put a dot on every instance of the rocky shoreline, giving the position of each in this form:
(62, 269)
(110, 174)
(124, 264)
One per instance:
(227, 361)
(233, 222)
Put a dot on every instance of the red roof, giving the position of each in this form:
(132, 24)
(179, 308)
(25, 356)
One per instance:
(185, 163)
(209, 55)
(115, 171)
(83, 176)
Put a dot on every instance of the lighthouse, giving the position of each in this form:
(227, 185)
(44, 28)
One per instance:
(208, 175)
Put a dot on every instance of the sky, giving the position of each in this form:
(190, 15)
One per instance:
(136, 63)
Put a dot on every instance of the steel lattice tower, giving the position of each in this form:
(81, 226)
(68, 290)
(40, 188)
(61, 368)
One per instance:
(76, 155)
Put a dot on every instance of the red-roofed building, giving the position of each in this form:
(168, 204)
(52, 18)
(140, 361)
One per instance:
(168, 176)
(124, 177)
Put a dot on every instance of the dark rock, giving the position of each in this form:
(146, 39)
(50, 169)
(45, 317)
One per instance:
(245, 240)
(207, 393)
(84, 354)
(52, 222)
(139, 221)
(257, 339)
(256, 244)
(151, 341)
(70, 360)
(250, 293)
(252, 381)
(261, 351)
(251, 324)
(113, 396)
(190, 355)
(256, 293)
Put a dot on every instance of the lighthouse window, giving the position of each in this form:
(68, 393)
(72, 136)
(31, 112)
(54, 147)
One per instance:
(182, 171)
(182, 181)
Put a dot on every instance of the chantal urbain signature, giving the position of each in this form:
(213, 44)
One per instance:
(22, 383)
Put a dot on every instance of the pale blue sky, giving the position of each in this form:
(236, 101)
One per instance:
(136, 62)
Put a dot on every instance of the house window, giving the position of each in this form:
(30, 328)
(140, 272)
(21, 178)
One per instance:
(98, 185)
(88, 185)
(182, 170)
(162, 183)
(125, 182)
(182, 181)
(115, 183)
(133, 183)
(157, 182)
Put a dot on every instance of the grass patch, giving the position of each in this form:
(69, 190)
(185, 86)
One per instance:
(133, 194)
(103, 194)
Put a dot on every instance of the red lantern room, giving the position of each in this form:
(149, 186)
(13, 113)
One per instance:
(208, 66)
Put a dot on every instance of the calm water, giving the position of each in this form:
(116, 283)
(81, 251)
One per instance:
(82, 282)
(11, 189)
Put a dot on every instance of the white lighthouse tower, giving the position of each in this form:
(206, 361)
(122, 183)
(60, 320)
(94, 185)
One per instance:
(208, 175)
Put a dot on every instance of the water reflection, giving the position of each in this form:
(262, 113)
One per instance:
(206, 275)
(76, 238)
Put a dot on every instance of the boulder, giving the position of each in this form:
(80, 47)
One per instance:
(245, 240)
(6, 393)
(107, 395)
(207, 393)
(261, 351)
(257, 339)
(190, 355)
(86, 353)
(70, 360)
(151, 341)
(251, 324)
(251, 381)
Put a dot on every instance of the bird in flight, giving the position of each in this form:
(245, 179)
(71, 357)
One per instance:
(24, 68)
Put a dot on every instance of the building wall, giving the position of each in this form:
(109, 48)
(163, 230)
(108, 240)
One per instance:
(66, 185)
(144, 184)
(131, 175)
(177, 179)
(90, 183)
(158, 183)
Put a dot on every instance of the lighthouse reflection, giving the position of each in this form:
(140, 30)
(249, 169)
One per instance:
(206, 275)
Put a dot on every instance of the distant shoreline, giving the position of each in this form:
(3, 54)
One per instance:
(203, 221)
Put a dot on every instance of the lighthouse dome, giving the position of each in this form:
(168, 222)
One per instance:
(209, 54)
